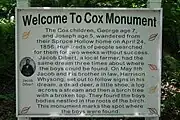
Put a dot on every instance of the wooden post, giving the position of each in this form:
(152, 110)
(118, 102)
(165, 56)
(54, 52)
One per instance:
(23, 3)
(23, 118)
(153, 4)
(152, 118)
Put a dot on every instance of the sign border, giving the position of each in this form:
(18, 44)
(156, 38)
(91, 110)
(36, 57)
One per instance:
(82, 115)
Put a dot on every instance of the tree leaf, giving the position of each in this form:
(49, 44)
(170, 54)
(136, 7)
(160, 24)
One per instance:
(152, 37)
(153, 111)
(25, 110)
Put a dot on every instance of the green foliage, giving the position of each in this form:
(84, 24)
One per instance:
(7, 46)
(171, 70)
(7, 8)
(7, 97)
(88, 3)
(171, 60)
(7, 60)
(7, 36)
(170, 88)
(171, 27)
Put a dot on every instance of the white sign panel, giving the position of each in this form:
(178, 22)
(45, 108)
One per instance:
(76, 62)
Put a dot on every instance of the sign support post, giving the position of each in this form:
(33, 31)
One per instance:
(23, 118)
(23, 3)
(153, 4)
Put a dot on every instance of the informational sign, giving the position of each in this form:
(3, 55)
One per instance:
(88, 62)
